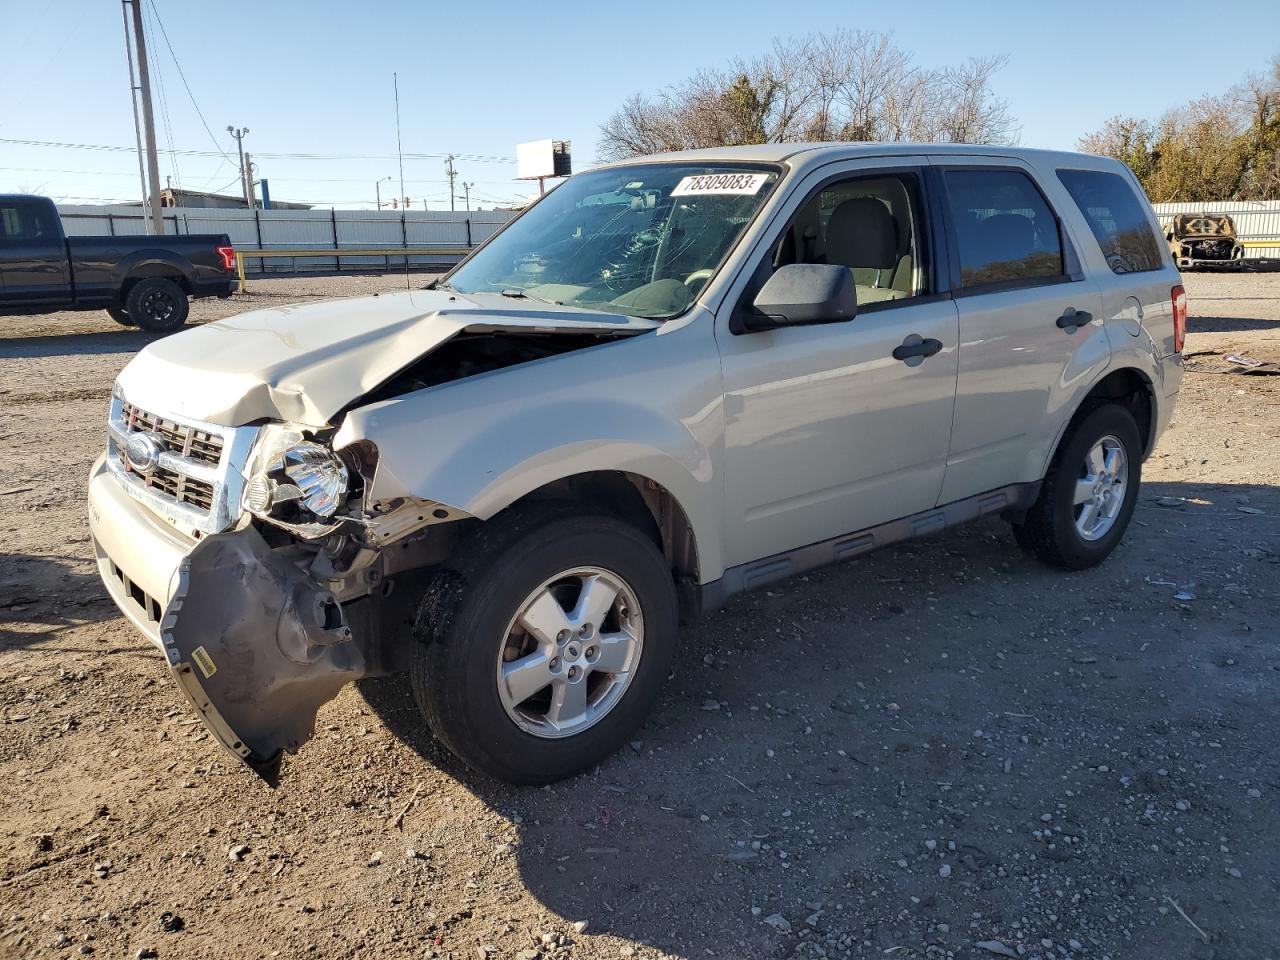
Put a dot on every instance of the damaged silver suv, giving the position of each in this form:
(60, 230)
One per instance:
(666, 382)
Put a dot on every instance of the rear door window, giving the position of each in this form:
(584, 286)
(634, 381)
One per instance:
(1118, 220)
(1005, 230)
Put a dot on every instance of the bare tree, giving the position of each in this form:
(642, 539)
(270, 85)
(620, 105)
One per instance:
(844, 85)
(968, 112)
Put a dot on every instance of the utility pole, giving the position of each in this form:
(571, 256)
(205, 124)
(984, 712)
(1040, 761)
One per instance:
(377, 189)
(133, 102)
(239, 134)
(466, 189)
(451, 173)
(248, 182)
(395, 81)
(148, 124)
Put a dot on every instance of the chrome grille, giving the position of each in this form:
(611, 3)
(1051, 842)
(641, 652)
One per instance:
(184, 489)
(197, 480)
(182, 439)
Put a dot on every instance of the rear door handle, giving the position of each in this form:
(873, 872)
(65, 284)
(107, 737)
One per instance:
(914, 351)
(1072, 319)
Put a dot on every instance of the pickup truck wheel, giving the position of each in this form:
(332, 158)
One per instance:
(157, 304)
(1089, 493)
(544, 642)
(121, 316)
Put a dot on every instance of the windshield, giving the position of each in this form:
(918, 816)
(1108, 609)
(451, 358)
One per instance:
(640, 240)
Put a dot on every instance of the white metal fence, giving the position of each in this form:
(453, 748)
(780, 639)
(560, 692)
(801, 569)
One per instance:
(306, 229)
(1257, 222)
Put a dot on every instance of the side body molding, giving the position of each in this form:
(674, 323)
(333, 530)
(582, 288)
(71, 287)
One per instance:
(648, 405)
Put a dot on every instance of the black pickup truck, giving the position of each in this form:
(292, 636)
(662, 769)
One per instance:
(139, 281)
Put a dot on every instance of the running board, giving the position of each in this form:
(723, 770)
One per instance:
(758, 573)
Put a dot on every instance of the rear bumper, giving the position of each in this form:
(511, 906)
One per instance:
(138, 553)
(218, 287)
(1168, 399)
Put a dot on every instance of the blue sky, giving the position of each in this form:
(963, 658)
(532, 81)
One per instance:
(476, 78)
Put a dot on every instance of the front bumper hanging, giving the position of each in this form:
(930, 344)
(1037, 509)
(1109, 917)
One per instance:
(256, 646)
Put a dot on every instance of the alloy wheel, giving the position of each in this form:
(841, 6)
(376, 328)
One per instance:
(570, 652)
(1100, 490)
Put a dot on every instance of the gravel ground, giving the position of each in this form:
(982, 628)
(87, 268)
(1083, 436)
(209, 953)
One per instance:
(940, 750)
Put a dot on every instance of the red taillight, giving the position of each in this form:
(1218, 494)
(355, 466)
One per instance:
(228, 255)
(1179, 297)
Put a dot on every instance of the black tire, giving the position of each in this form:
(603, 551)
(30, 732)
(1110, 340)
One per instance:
(462, 622)
(1048, 530)
(121, 316)
(157, 304)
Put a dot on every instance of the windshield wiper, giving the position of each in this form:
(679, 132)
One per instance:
(439, 285)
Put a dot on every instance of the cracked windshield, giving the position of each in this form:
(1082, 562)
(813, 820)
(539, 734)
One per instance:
(639, 240)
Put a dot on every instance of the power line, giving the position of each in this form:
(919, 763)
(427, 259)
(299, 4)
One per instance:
(112, 173)
(191, 96)
(164, 113)
(472, 158)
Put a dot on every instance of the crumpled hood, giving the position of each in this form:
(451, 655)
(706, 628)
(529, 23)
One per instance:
(304, 363)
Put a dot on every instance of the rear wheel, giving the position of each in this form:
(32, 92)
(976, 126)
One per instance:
(544, 642)
(121, 316)
(1088, 494)
(157, 304)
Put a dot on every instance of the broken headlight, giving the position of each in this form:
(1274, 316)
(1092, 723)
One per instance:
(318, 475)
(297, 481)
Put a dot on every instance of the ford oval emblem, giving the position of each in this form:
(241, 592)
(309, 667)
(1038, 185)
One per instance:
(142, 452)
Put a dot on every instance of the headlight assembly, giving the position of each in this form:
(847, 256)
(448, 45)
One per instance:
(298, 484)
(318, 474)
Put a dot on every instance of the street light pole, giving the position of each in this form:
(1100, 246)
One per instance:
(451, 173)
(466, 189)
(239, 134)
(248, 179)
(377, 190)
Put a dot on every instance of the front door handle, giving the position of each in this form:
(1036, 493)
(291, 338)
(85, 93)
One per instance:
(1072, 319)
(914, 350)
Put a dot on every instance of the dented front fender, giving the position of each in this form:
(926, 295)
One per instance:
(257, 646)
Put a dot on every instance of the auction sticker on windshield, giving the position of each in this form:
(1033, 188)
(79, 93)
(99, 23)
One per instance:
(742, 184)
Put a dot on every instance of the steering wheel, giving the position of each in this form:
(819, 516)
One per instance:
(698, 275)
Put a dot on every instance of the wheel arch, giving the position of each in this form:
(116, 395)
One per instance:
(1131, 388)
(145, 266)
(644, 503)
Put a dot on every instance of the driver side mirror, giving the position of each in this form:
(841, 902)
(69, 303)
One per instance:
(805, 293)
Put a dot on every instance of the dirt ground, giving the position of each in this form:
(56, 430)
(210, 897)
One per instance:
(939, 750)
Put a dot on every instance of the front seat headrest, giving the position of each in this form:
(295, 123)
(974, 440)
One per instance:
(862, 233)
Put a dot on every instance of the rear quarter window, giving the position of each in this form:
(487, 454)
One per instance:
(1117, 218)
(24, 220)
(1005, 230)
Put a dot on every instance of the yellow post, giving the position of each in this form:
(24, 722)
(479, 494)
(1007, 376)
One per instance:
(240, 272)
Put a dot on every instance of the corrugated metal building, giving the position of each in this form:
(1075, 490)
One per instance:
(1257, 222)
(306, 230)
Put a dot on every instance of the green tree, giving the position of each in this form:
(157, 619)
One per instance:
(1214, 148)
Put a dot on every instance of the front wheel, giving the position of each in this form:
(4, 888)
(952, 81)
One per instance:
(1088, 494)
(157, 304)
(544, 642)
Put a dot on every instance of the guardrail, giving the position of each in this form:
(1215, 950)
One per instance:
(339, 253)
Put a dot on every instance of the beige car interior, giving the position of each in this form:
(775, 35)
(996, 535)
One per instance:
(866, 225)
